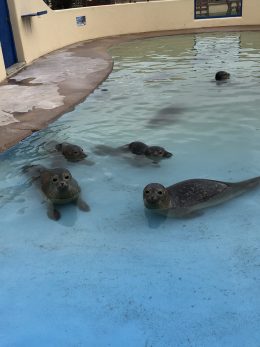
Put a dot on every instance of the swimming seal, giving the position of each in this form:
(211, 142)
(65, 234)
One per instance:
(70, 151)
(59, 187)
(187, 197)
(151, 152)
(222, 76)
(155, 153)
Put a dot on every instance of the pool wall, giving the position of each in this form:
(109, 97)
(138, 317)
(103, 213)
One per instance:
(36, 35)
(2, 65)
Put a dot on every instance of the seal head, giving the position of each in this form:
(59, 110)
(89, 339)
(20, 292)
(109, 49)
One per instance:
(157, 153)
(71, 152)
(156, 196)
(222, 76)
(59, 186)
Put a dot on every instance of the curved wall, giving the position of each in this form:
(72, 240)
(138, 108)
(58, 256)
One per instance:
(2, 65)
(38, 35)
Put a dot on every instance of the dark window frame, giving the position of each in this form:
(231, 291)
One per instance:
(213, 17)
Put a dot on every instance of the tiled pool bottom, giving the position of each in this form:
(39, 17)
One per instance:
(118, 276)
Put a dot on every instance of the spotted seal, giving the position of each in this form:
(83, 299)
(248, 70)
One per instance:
(70, 151)
(58, 186)
(155, 153)
(186, 197)
(222, 76)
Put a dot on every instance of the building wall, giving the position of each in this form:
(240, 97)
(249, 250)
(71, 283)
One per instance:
(39, 35)
(2, 66)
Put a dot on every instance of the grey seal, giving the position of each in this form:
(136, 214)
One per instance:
(58, 186)
(222, 76)
(186, 197)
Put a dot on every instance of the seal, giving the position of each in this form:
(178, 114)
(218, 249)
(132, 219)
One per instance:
(222, 76)
(71, 152)
(59, 187)
(186, 197)
(155, 153)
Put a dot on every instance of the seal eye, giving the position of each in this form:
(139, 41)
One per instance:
(147, 191)
(55, 179)
(159, 192)
(66, 177)
(160, 152)
(75, 152)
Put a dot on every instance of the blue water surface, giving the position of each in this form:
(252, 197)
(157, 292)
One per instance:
(119, 275)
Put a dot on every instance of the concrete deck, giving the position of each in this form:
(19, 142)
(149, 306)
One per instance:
(49, 87)
(55, 83)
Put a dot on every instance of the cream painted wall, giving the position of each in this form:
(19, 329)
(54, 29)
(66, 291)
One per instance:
(2, 66)
(39, 35)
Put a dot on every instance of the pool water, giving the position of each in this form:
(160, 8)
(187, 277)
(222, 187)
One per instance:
(119, 275)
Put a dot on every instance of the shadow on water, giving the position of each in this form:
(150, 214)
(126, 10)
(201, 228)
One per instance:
(154, 220)
(68, 215)
(166, 116)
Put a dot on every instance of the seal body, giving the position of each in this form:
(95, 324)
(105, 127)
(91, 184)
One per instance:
(151, 152)
(136, 147)
(59, 187)
(70, 151)
(186, 197)
(155, 153)
(222, 76)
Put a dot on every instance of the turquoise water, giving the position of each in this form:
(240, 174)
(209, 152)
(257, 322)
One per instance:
(118, 276)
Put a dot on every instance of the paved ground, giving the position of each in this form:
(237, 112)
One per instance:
(55, 83)
(49, 87)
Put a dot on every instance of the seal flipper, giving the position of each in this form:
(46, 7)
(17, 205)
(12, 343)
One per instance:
(82, 205)
(58, 146)
(88, 162)
(106, 150)
(33, 171)
(52, 212)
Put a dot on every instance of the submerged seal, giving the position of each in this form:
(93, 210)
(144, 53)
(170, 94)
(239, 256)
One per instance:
(186, 197)
(59, 187)
(222, 76)
(70, 151)
(154, 153)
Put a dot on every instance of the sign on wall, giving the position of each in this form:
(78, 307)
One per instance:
(81, 20)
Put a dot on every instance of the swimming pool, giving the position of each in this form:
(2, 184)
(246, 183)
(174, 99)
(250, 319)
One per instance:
(119, 276)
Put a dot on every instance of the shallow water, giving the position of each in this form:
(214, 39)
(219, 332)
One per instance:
(119, 276)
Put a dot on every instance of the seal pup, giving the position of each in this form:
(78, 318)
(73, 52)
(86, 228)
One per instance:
(222, 76)
(58, 186)
(155, 153)
(70, 151)
(186, 197)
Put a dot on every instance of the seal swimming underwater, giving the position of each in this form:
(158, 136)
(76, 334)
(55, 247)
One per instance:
(186, 197)
(155, 153)
(59, 187)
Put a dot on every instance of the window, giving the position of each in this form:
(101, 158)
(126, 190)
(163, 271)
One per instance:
(217, 8)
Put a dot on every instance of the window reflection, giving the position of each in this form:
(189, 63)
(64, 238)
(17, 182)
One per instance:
(217, 8)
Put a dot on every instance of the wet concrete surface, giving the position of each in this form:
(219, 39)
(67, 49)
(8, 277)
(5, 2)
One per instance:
(55, 83)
